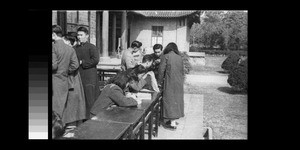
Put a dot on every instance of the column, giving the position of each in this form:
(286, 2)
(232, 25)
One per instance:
(105, 29)
(114, 49)
(124, 30)
(98, 32)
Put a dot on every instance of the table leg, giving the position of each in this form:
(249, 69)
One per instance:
(150, 125)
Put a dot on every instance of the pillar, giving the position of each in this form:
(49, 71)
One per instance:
(114, 36)
(124, 30)
(105, 29)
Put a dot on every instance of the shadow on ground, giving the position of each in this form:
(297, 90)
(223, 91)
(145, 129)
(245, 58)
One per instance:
(229, 90)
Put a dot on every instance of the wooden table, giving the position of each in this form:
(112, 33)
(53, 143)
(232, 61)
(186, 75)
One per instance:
(150, 107)
(107, 70)
(126, 115)
(101, 130)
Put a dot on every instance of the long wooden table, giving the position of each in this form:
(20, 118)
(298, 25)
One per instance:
(125, 115)
(123, 122)
(107, 70)
(101, 130)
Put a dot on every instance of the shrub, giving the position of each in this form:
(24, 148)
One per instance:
(186, 63)
(217, 51)
(238, 76)
(231, 61)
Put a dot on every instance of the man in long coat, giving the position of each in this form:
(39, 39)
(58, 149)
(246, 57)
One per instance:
(64, 61)
(88, 56)
(171, 77)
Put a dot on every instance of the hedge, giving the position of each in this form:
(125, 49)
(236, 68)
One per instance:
(218, 51)
(238, 76)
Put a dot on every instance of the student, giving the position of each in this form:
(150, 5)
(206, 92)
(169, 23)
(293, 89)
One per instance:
(171, 78)
(146, 78)
(88, 56)
(158, 51)
(64, 62)
(113, 93)
(75, 108)
(128, 59)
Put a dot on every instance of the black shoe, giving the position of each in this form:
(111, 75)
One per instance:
(168, 126)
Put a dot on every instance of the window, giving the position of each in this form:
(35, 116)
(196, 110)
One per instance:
(76, 19)
(157, 35)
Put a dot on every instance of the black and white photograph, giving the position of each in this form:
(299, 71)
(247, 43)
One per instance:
(149, 75)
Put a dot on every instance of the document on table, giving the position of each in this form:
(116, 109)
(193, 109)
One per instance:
(145, 96)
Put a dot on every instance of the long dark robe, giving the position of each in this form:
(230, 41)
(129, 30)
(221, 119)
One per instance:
(171, 74)
(75, 108)
(64, 61)
(89, 55)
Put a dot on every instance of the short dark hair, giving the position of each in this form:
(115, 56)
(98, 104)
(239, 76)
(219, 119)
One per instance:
(147, 58)
(171, 47)
(70, 38)
(83, 29)
(122, 78)
(57, 30)
(157, 46)
(137, 44)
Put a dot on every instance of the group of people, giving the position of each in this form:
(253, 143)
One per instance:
(76, 95)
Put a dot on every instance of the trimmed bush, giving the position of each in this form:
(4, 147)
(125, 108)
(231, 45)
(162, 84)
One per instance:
(238, 76)
(186, 63)
(231, 61)
(217, 51)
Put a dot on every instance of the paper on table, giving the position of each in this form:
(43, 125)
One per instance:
(145, 96)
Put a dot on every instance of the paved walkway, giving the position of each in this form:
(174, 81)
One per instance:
(190, 126)
(210, 79)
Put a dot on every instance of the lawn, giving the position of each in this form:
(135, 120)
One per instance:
(225, 110)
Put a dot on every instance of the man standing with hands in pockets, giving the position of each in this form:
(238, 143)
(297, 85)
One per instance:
(88, 56)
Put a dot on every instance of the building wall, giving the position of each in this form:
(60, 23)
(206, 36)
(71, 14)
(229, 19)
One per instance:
(141, 30)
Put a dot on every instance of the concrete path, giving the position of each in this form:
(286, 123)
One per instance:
(191, 125)
(210, 79)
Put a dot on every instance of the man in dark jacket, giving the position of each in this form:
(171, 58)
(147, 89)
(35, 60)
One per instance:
(64, 62)
(88, 56)
(157, 49)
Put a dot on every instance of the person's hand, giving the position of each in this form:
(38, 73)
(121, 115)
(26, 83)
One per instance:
(157, 61)
(139, 101)
(80, 62)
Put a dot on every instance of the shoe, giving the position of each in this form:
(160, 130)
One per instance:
(168, 126)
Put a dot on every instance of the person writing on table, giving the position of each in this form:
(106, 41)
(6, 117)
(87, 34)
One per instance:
(113, 94)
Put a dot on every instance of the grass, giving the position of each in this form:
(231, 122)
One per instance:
(225, 110)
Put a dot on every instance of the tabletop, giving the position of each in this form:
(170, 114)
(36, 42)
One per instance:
(119, 114)
(100, 130)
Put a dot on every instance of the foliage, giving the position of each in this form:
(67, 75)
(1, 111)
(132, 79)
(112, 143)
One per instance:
(231, 61)
(186, 63)
(225, 30)
(214, 51)
(238, 76)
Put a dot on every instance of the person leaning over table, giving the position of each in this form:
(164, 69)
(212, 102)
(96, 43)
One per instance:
(113, 94)
(146, 77)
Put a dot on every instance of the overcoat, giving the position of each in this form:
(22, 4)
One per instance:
(75, 108)
(171, 74)
(64, 61)
(89, 55)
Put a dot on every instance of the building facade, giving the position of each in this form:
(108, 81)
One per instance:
(113, 29)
